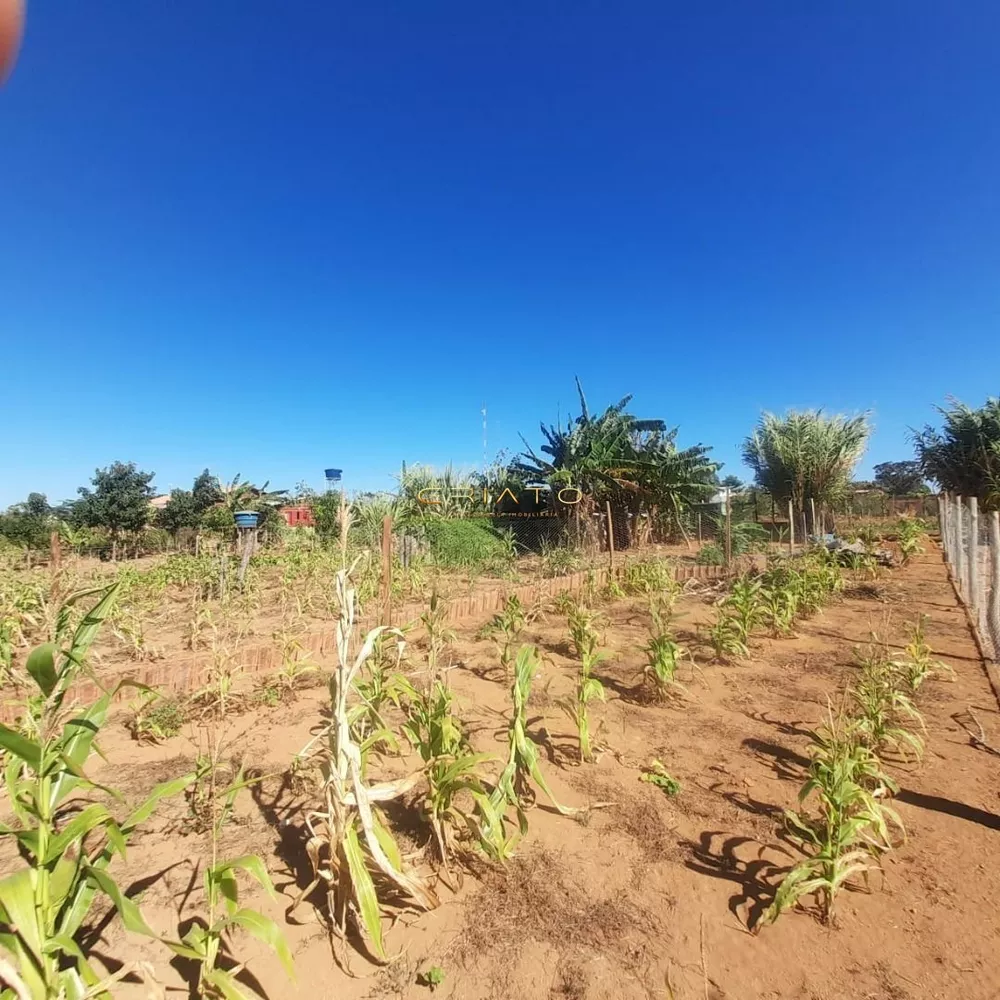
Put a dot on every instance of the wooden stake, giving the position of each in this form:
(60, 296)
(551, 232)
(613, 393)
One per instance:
(974, 556)
(993, 615)
(729, 530)
(812, 513)
(611, 538)
(387, 570)
(699, 527)
(791, 528)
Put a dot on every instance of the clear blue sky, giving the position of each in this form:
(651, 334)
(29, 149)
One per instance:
(273, 237)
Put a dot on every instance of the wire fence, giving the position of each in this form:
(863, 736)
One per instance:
(971, 540)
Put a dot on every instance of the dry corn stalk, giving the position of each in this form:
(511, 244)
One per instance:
(347, 838)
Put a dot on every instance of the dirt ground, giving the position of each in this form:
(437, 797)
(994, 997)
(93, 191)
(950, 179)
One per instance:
(649, 896)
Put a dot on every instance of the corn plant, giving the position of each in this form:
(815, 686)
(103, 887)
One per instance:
(380, 683)
(779, 607)
(852, 827)
(583, 632)
(439, 636)
(910, 532)
(347, 836)
(66, 843)
(652, 576)
(663, 652)
(882, 708)
(917, 662)
(512, 788)
(726, 637)
(205, 940)
(743, 603)
(450, 765)
(506, 627)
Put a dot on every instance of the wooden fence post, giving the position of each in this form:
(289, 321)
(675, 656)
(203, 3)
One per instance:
(611, 539)
(959, 547)
(729, 529)
(791, 529)
(974, 556)
(699, 527)
(387, 570)
(812, 512)
(993, 617)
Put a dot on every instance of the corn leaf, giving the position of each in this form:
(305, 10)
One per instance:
(364, 890)
(266, 930)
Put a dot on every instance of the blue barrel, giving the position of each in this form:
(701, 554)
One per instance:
(247, 518)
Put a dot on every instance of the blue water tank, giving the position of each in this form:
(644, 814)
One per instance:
(247, 518)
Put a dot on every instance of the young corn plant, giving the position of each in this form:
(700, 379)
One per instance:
(583, 632)
(380, 683)
(450, 765)
(744, 605)
(663, 652)
(779, 605)
(726, 638)
(66, 843)
(917, 662)
(512, 787)
(852, 827)
(910, 532)
(439, 636)
(881, 708)
(206, 939)
(348, 838)
(505, 629)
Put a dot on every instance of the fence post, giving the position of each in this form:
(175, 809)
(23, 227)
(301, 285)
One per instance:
(974, 556)
(812, 514)
(993, 618)
(791, 529)
(729, 529)
(805, 531)
(387, 570)
(611, 539)
(942, 525)
(699, 528)
(959, 547)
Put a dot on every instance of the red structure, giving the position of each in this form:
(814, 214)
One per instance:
(298, 516)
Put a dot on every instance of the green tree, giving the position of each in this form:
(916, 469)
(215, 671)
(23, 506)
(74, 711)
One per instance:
(180, 511)
(119, 501)
(964, 455)
(900, 479)
(206, 492)
(732, 483)
(617, 455)
(28, 523)
(805, 455)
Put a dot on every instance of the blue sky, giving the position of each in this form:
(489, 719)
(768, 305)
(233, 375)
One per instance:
(271, 238)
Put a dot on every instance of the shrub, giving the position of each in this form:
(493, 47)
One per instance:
(464, 543)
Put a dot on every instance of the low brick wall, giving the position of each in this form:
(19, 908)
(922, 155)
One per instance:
(185, 675)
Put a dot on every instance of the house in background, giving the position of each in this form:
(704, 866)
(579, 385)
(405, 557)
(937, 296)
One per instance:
(298, 516)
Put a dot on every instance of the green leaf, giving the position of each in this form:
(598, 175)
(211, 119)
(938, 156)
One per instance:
(266, 930)
(18, 899)
(364, 890)
(29, 751)
(91, 818)
(225, 984)
(41, 664)
(386, 841)
(253, 866)
(131, 916)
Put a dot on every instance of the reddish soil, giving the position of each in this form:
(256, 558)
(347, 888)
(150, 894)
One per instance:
(650, 896)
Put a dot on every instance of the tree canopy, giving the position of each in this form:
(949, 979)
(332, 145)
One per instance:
(964, 455)
(900, 479)
(615, 452)
(119, 500)
(805, 455)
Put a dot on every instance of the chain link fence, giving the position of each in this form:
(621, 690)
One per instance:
(971, 540)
